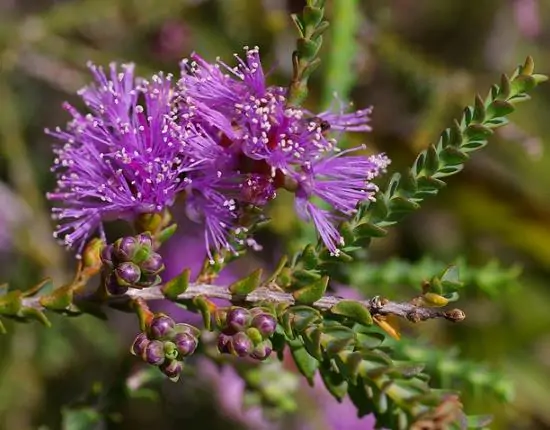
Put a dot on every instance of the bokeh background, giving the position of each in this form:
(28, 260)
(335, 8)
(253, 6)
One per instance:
(418, 62)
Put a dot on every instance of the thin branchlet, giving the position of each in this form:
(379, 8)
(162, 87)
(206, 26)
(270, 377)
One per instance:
(263, 295)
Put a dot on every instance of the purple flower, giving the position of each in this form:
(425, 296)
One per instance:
(224, 140)
(254, 143)
(122, 158)
(342, 182)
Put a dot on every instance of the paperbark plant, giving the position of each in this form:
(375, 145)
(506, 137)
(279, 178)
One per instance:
(221, 142)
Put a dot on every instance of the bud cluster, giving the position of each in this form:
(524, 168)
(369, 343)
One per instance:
(245, 333)
(131, 262)
(166, 344)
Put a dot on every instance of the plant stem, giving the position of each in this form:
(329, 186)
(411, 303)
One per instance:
(262, 295)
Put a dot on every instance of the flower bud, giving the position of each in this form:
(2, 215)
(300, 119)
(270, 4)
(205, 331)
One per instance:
(265, 323)
(262, 350)
(223, 343)
(237, 319)
(153, 264)
(125, 248)
(171, 368)
(154, 353)
(145, 240)
(186, 343)
(107, 256)
(127, 274)
(161, 327)
(140, 344)
(240, 345)
(186, 328)
(112, 285)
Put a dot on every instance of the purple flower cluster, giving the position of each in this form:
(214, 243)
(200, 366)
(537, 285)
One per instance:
(246, 333)
(131, 263)
(220, 138)
(166, 344)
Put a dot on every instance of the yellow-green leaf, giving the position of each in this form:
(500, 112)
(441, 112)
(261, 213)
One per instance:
(353, 310)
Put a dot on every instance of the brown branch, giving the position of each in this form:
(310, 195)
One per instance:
(376, 305)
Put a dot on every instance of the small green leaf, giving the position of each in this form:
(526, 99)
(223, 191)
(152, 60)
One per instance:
(522, 84)
(347, 232)
(401, 204)
(336, 338)
(307, 365)
(450, 278)
(455, 135)
(296, 19)
(10, 303)
(280, 266)
(311, 67)
(312, 292)
(349, 364)
(452, 297)
(500, 108)
(300, 317)
(429, 185)
(328, 258)
(166, 233)
(505, 90)
(312, 16)
(36, 314)
(367, 229)
(453, 156)
(334, 382)
(321, 28)
(2, 328)
(284, 278)
(435, 285)
(312, 341)
(59, 300)
(307, 48)
(497, 122)
(245, 286)
(374, 362)
(478, 132)
(406, 369)
(379, 208)
(393, 185)
(408, 181)
(539, 79)
(176, 286)
(369, 340)
(479, 110)
(354, 310)
(306, 276)
(205, 307)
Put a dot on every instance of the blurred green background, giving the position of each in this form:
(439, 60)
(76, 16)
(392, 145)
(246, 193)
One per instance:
(418, 62)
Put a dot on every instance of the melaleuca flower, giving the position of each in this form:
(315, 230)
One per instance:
(342, 182)
(122, 158)
(256, 143)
